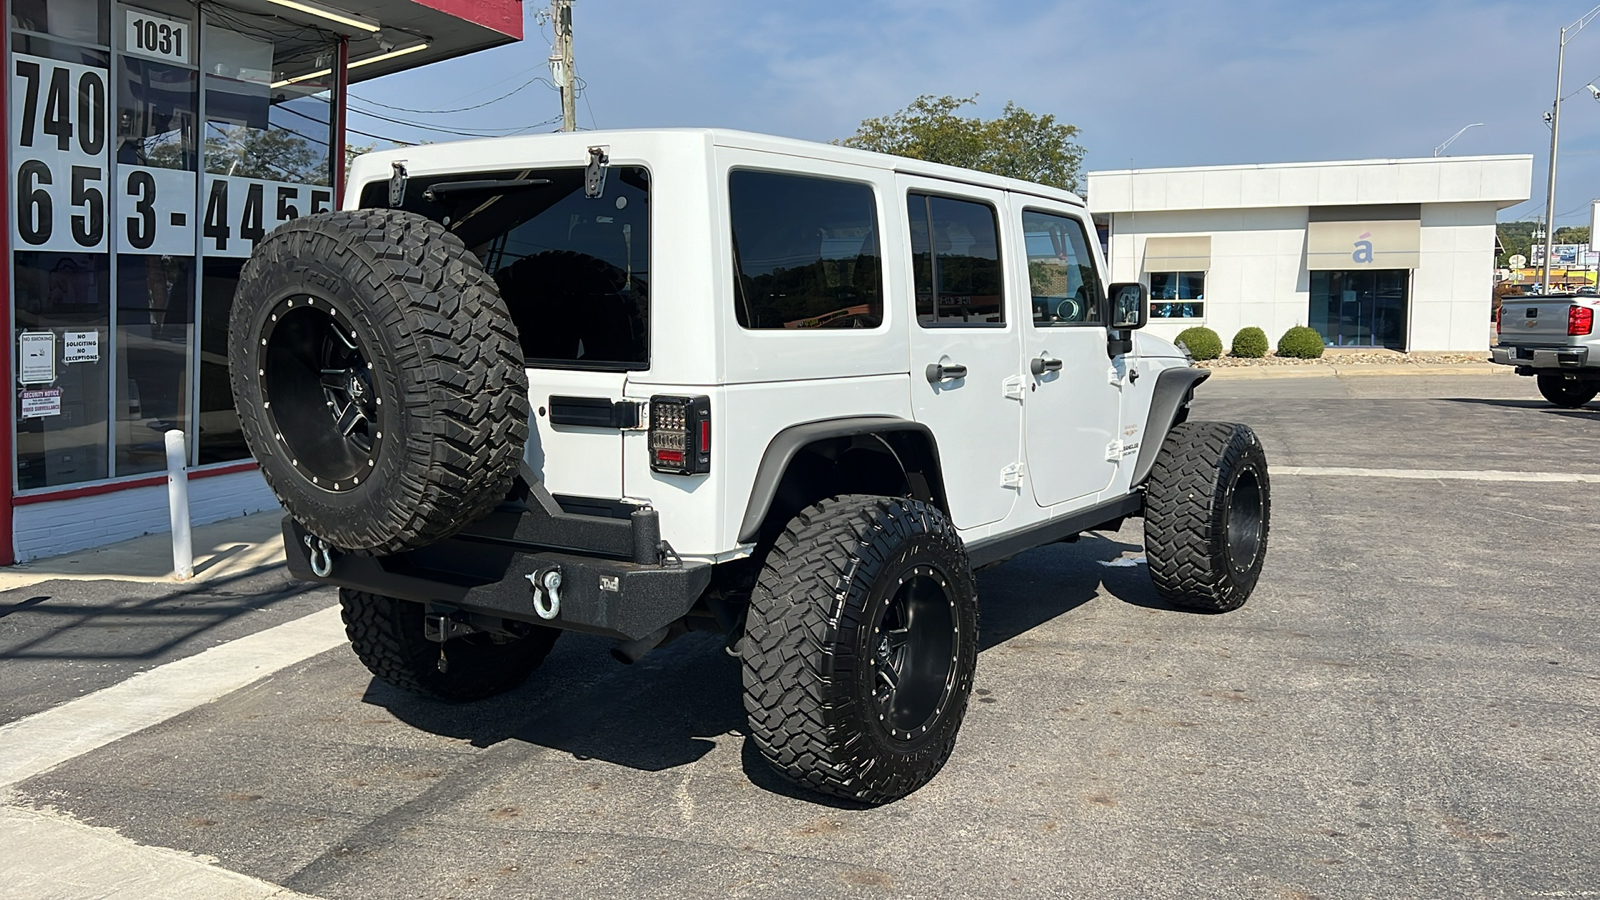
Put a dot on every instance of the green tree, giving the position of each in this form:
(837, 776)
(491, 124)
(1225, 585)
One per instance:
(1572, 234)
(1515, 238)
(1018, 144)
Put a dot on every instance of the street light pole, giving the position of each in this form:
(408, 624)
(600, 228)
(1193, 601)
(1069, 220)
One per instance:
(1442, 147)
(1555, 139)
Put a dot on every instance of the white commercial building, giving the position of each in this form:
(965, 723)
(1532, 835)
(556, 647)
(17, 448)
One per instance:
(1395, 253)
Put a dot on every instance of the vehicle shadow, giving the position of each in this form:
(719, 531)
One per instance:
(679, 703)
(1587, 411)
(70, 620)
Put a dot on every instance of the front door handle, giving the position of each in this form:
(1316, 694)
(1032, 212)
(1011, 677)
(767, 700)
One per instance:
(937, 373)
(1043, 364)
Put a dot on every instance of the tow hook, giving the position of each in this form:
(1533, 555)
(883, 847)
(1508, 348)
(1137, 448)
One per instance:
(546, 592)
(321, 556)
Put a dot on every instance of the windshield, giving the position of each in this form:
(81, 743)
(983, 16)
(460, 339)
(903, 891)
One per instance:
(574, 270)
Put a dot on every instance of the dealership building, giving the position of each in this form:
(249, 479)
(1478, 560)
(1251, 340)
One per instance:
(1392, 253)
(149, 146)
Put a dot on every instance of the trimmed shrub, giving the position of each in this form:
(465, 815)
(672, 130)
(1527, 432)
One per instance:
(1249, 343)
(1300, 342)
(1203, 343)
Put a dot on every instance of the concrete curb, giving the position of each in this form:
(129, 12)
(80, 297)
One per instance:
(1360, 370)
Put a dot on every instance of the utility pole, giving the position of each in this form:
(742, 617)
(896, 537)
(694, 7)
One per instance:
(561, 62)
(1567, 34)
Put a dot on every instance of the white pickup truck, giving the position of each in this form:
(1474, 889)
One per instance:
(1552, 337)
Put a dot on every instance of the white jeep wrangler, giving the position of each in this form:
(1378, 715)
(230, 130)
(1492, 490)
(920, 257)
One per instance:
(637, 383)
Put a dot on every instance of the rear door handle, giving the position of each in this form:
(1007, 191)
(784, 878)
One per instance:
(937, 373)
(1043, 364)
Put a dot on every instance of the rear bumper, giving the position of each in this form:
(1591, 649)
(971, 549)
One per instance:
(609, 597)
(1541, 357)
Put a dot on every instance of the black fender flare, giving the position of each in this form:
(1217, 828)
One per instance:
(783, 447)
(1173, 387)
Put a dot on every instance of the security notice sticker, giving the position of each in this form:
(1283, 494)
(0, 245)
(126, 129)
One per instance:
(38, 357)
(80, 346)
(38, 404)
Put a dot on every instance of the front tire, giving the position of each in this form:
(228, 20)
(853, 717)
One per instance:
(860, 647)
(387, 635)
(1563, 392)
(1207, 512)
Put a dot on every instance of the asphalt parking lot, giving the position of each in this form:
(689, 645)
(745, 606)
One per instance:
(1409, 706)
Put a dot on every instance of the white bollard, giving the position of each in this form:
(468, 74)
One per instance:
(178, 506)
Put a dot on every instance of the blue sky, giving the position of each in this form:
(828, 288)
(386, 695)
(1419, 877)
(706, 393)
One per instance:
(1150, 83)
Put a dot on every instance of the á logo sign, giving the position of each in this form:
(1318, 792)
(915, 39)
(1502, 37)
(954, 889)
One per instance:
(1363, 252)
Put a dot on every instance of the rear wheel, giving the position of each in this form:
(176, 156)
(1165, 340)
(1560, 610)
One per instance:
(387, 635)
(1568, 393)
(1207, 510)
(860, 647)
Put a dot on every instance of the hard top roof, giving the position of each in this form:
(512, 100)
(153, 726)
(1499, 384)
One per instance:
(458, 151)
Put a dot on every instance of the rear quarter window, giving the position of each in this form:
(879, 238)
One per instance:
(806, 252)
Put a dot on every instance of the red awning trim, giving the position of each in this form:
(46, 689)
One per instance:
(504, 16)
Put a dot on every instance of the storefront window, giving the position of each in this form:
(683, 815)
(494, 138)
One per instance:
(153, 145)
(155, 315)
(268, 130)
(1177, 295)
(62, 317)
(83, 21)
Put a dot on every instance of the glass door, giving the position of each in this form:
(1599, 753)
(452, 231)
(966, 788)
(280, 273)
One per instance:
(1361, 309)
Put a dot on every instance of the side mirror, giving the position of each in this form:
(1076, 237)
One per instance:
(1130, 306)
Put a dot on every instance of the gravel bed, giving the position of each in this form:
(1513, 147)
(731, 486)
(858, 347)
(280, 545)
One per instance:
(1374, 358)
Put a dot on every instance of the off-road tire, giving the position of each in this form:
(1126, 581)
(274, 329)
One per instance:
(812, 638)
(439, 367)
(1209, 477)
(1565, 393)
(387, 636)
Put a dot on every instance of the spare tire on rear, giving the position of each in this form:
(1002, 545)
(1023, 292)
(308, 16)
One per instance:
(378, 377)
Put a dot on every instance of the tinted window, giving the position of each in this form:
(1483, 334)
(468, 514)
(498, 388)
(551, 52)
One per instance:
(574, 270)
(955, 257)
(805, 252)
(1061, 275)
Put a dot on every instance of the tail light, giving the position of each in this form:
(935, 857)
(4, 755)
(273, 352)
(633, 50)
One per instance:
(680, 434)
(1500, 319)
(1580, 320)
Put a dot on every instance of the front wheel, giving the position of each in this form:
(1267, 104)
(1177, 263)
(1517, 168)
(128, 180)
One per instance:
(1207, 511)
(1564, 392)
(860, 647)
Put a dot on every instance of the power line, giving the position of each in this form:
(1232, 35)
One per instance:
(518, 89)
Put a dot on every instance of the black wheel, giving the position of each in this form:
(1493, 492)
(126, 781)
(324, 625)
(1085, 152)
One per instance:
(387, 636)
(1208, 507)
(1564, 392)
(378, 378)
(860, 646)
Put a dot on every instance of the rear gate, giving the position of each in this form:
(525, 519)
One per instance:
(1524, 321)
(575, 444)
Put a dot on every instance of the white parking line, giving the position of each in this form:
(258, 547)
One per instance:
(50, 855)
(45, 740)
(1442, 474)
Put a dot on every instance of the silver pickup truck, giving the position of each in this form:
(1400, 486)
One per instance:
(1552, 337)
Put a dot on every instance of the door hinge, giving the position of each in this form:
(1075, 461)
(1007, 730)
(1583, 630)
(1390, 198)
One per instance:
(1011, 476)
(1013, 387)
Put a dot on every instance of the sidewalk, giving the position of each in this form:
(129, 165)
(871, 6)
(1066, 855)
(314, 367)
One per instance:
(221, 550)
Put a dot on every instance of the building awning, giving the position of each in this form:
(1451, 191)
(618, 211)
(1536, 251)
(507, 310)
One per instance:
(1363, 244)
(1178, 254)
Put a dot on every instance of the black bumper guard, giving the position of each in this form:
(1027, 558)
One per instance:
(617, 577)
